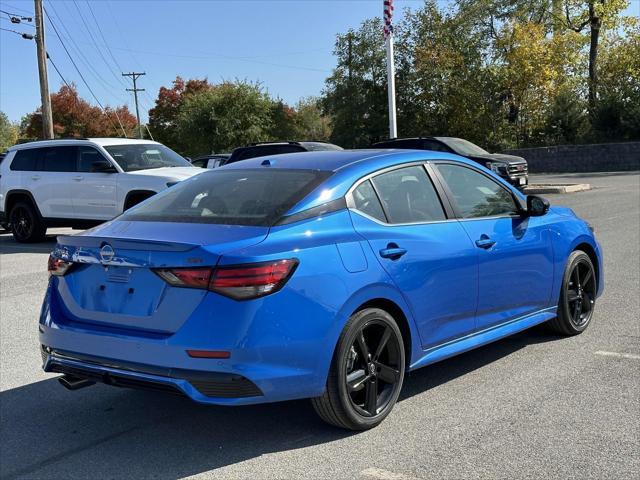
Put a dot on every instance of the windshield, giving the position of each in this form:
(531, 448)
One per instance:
(320, 146)
(463, 147)
(252, 197)
(143, 156)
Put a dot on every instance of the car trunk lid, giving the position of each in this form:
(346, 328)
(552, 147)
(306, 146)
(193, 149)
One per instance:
(113, 283)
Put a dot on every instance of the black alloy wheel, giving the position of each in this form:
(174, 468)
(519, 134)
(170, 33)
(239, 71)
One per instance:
(578, 295)
(581, 293)
(25, 224)
(372, 368)
(366, 372)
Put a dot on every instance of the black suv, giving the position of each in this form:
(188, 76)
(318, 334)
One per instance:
(276, 148)
(513, 169)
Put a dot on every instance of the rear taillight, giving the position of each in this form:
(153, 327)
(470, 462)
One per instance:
(241, 282)
(57, 266)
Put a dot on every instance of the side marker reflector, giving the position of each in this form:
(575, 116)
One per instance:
(208, 354)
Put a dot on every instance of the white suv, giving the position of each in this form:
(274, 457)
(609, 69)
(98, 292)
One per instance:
(80, 183)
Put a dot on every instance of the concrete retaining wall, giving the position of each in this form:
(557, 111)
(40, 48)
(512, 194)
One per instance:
(602, 157)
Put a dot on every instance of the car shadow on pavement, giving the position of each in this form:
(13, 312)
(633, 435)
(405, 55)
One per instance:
(106, 432)
(9, 246)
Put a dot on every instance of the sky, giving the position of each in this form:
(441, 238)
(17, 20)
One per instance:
(284, 44)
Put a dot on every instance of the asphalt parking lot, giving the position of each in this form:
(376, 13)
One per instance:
(532, 406)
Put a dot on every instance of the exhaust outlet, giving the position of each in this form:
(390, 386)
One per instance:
(74, 383)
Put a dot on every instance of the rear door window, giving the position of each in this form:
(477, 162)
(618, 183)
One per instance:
(409, 196)
(59, 159)
(253, 197)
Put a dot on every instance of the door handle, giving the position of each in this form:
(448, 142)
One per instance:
(485, 242)
(35, 177)
(78, 178)
(392, 251)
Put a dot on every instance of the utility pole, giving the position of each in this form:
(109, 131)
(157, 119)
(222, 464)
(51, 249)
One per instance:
(47, 118)
(134, 76)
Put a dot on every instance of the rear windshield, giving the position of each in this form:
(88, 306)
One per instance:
(252, 197)
(145, 156)
(320, 146)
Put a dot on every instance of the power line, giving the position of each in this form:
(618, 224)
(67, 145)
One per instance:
(58, 72)
(10, 19)
(26, 36)
(95, 44)
(98, 77)
(102, 35)
(16, 17)
(83, 79)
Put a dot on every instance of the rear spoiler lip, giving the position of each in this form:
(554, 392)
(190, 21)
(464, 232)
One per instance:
(124, 243)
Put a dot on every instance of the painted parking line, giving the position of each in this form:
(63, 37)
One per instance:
(381, 474)
(630, 356)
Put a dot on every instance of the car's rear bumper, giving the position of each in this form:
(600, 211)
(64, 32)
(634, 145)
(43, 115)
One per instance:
(201, 386)
(267, 355)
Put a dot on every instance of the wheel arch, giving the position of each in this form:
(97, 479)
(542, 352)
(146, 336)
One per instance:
(591, 252)
(143, 194)
(14, 196)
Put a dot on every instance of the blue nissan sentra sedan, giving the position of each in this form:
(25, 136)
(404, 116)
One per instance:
(322, 275)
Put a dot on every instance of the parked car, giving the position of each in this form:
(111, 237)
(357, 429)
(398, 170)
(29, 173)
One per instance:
(510, 167)
(276, 148)
(327, 275)
(214, 160)
(81, 182)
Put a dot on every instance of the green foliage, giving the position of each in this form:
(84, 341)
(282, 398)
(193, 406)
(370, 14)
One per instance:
(8, 132)
(223, 117)
(501, 73)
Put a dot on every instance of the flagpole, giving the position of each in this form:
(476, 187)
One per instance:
(391, 82)
(391, 76)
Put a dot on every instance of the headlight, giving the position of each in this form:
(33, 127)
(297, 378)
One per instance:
(498, 168)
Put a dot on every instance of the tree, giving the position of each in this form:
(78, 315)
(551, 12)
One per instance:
(224, 117)
(284, 121)
(8, 132)
(163, 117)
(311, 124)
(75, 117)
(355, 94)
(596, 15)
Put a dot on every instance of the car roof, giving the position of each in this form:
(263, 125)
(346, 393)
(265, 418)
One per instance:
(347, 167)
(104, 141)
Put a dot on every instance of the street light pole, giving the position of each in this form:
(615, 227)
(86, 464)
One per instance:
(47, 117)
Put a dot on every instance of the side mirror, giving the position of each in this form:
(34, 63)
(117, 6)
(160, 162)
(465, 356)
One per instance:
(537, 206)
(103, 166)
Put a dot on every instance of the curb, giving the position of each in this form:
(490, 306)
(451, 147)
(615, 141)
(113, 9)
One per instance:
(557, 188)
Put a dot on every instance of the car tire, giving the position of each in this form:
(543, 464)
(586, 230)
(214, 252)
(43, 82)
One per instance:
(577, 295)
(26, 224)
(369, 359)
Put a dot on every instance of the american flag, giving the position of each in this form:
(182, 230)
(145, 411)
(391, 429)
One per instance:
(387, 16)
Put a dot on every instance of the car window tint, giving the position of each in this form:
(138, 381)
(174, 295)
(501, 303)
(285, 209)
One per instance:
(201, 162)
(86, 158)
(366, 201)
(409, 196)
(288, 149)
(230, 197)
(59, 159)
(435, 146)
(475, 194)
(26, 160)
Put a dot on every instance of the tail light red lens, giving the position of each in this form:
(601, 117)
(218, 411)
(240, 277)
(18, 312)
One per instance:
(186, 277)
(57, 266)
(241, 282)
